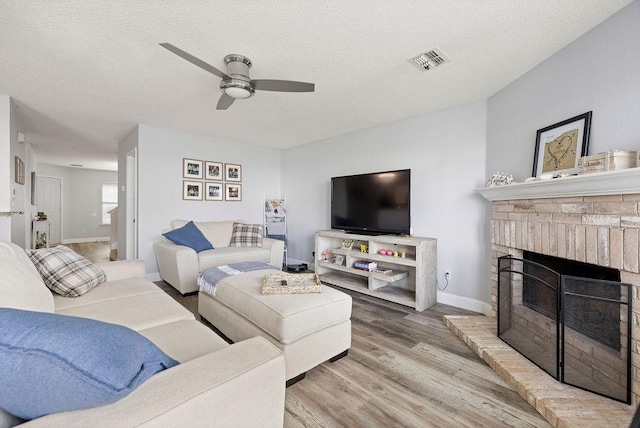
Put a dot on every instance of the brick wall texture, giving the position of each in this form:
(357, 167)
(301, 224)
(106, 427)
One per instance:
(601, 230)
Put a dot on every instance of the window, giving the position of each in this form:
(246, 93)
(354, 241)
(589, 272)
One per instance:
(109, 200)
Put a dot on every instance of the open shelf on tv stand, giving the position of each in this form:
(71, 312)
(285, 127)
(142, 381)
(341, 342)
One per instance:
(411, 282)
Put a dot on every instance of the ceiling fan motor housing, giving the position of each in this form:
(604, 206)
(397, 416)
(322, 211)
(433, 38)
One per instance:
(239, 86)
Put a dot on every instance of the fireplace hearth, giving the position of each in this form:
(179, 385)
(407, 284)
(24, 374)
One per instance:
(574, 328)
(590, 218)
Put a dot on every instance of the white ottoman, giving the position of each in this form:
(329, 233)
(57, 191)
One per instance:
(309, 328)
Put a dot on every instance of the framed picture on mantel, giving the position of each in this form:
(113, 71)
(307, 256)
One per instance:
(560, 146)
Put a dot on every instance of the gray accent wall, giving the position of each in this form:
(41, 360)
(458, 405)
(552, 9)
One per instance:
(445, 151)
(81, 201)
(598, 72)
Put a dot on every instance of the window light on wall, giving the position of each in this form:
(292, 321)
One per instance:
(109, 200)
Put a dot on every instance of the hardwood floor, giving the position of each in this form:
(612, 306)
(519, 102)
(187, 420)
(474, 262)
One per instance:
(95, 252)
(404, 369)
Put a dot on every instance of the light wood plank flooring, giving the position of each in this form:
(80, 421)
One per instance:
(404, 369)
(95, 252)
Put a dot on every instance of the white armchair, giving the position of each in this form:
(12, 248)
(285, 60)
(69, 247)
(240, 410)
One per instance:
(180, 265)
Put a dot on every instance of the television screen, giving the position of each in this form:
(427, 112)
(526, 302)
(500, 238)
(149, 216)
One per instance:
(376, 203)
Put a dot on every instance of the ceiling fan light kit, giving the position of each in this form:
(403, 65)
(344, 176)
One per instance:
(236, 83)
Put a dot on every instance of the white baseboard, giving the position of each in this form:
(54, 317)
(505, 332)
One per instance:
(464, 303)
(83, 240)
(153, 277)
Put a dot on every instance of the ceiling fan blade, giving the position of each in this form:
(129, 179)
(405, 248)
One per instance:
(224, 102)
(282, 85)
(195, 61)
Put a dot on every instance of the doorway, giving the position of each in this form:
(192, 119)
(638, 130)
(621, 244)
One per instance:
(131, 225)
(49, 201)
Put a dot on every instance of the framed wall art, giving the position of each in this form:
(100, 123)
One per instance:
(192, 168)
(212, 170)
(233, 192)
(232, 172)
(560, 146)
(212, 191)
(19, 170)
(192, 190)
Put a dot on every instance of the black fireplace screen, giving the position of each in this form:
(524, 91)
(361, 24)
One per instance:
(576, 329)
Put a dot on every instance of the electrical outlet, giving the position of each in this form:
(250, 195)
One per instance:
(447, 275)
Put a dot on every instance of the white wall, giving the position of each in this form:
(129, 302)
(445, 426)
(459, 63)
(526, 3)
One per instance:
(445, 151)
(81, 201)
(14, 197)
(160, 154)
(598, 72)
(125, 146)
(5, 166)
(18, 194)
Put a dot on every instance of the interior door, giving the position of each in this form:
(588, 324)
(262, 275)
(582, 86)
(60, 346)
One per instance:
(49, 201)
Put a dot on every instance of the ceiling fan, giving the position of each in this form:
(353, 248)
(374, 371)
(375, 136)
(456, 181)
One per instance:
(236, 83)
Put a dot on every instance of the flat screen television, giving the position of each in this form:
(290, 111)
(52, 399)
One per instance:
(376, 203)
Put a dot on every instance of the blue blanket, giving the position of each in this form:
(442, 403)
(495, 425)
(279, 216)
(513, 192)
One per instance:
(208, 279)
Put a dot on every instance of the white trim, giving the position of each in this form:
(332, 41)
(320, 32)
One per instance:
(153, 277)
(620, 182)
(83, 240)
(464, 303)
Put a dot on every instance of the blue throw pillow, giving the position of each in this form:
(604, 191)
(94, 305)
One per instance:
(55, 363)
(190, 236)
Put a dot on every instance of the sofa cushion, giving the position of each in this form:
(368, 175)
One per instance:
(66, 272)
(54, 363)
(184, 340)
(110, 290)
(190, 236)
(216, 232)
(246, 235)
(20, 284)
(136, 312)
(226, 255)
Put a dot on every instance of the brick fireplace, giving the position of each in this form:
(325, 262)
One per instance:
(591, 218)
(601, 230)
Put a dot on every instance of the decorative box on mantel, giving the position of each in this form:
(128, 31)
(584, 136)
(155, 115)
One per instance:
(613, 160)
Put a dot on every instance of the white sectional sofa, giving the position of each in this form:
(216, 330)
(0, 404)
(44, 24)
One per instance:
(180, 265)
(215, 384)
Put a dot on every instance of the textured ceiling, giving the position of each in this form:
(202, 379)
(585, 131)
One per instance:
(85, 72)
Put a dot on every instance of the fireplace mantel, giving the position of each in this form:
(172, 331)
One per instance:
(620, 182)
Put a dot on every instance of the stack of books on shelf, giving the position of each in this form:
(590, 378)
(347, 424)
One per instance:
(365, 265)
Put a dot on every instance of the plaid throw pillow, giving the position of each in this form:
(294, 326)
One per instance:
(246, 235)
(66, 272)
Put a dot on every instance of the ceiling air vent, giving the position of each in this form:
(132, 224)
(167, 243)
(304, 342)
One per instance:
(429, 59)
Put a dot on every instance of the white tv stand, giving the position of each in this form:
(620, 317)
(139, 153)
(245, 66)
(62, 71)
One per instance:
(411, 282)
